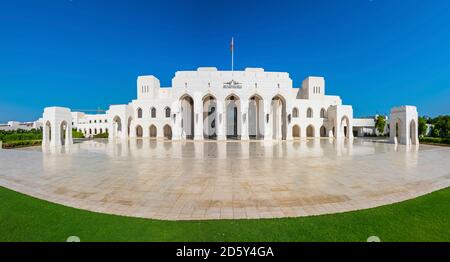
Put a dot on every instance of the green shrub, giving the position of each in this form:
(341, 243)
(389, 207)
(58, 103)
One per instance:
(77, 134)
(21, 143)
(16, 135)
(435, 140)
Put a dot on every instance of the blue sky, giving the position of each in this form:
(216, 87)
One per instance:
(86, 54)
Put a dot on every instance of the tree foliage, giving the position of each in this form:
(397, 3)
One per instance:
(380, 124)
(441, 126)
(422, 126)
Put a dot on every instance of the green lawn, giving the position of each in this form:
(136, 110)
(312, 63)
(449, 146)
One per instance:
(427, 218)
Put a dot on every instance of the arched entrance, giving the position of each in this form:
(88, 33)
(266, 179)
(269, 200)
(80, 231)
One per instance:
(278, 117)
(209, 117)
(167, 132)
(255, 117)
(323, 131)
(117, 127)
(130, 119)
(398, 133)
(48, 132)
(296, 132)
(139, 131)
(187, 117)
(64, 132)
(412, 132)
(345, 124)
(233, 112)
(310, 131)
(153, 131)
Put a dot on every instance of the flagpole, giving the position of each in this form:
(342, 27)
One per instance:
(232, 56)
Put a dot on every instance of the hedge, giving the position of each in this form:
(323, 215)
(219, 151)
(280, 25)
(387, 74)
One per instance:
(435, 140)
(20, 135)
(21, 143)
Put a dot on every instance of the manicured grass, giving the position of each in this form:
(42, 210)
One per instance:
(427, 218)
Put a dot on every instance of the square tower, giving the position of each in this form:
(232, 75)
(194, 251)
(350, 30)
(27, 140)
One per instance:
(313, 87)
(147, 87)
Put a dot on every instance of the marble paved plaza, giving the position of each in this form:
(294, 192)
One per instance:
(225, 180)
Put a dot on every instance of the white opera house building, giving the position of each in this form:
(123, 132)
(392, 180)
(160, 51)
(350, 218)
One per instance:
(208, 104)
(212, 104)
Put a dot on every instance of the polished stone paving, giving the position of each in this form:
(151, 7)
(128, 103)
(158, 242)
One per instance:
(226, 180)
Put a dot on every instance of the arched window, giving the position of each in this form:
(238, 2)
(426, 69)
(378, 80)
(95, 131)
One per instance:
(139, 113)
(167, 112)
(295, 112)
(153, 112)
(323, 113)
(309, 113)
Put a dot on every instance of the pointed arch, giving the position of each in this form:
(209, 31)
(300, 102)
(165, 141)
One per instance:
(279, 116)
(255, 117)
(168, 132)
(309, 113)
(310, 130)
(295, 112)
(187, 116)
(296, 132)
(153, 131)
(139, 131)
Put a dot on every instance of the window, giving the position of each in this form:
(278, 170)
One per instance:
(323, 113)
(139, 113)
(106, 120)
(100, 120)
(95, 121)
(167, 112)
(309, 113)
(295, 112)
(153, 112)
(90, 121)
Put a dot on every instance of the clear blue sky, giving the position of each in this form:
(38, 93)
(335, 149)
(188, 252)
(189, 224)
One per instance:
(86, 54)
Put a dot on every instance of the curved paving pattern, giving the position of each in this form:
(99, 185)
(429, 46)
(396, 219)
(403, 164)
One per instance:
(225, 180)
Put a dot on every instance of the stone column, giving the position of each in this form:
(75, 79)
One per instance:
(198, 117)
(220, 120)
(268, 124)
(244, 120)
(176, 131)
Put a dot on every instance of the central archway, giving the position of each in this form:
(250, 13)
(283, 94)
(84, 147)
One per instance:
(187, 117)
(278, 117)
(255, 117)
(233, 112)
(209, 117)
